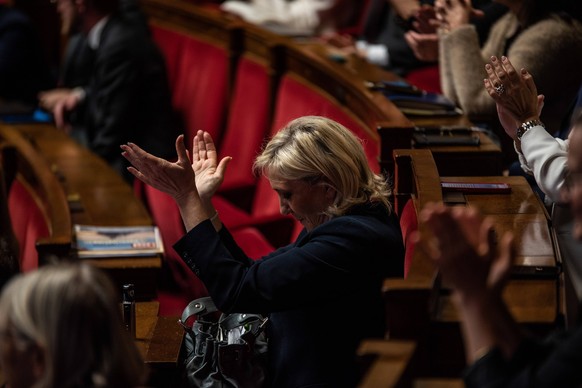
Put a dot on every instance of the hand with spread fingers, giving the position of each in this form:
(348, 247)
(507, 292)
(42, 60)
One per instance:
(191, 182)
(464, 246)
(176, 179)
(514, 92)
(209, 172)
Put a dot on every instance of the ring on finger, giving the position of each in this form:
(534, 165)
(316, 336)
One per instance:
(499, 89)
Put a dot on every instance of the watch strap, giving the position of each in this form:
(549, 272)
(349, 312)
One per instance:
(526, 126)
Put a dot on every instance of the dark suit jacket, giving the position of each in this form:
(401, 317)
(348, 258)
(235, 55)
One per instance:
(23, 70)
(322, 292)
(553, 363)
(127, 93)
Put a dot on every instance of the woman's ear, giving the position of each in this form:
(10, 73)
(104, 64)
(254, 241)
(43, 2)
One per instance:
(38, 361)
(330, 193)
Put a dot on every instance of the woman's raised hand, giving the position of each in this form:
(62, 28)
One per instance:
(464, 246)
(515, 91)
(209, 172)
(176, 179)
(515, 94)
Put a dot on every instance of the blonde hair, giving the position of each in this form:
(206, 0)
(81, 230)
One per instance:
(70, 311)
(317, 149)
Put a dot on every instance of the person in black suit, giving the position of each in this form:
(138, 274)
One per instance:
(23, 70)
(115, 85)
(322, 292)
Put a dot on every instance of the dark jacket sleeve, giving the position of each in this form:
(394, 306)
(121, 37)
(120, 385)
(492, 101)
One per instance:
(329, 262)
(553, 363)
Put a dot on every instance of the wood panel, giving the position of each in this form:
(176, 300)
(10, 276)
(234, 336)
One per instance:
(34, 172)
(96, 195)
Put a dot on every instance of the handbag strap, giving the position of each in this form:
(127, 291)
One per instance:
(230, 321)
(199, 308)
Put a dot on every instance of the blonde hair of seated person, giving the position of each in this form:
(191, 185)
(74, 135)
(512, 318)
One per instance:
(317, 149)
(64, 321)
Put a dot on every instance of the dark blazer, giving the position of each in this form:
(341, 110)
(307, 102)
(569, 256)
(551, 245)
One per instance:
(127, 93)
(23, 70)
(554, 362)
(323, 292)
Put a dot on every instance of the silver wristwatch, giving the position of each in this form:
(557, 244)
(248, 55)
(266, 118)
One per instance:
(524, 127)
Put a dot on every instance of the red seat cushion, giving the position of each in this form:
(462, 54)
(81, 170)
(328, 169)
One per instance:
(200, 93)
(28, 222)
(171, 45)
(426, 78)
(247, 124)
(408, 225)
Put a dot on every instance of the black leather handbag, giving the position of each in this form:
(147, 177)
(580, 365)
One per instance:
(229, 351)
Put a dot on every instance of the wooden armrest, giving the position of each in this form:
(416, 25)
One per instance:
(392, 360)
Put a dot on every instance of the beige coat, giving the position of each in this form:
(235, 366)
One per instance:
(551, 50)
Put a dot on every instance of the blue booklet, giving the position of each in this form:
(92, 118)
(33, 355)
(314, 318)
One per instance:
(117, 241)
(414, 101)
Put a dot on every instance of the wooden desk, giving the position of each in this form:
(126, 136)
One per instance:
(484, 159)
(392, 363)
(159, 339)
(421, 310)
(534, 300)
(97, 195)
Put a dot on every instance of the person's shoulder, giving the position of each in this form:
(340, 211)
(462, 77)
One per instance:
(558, 23)
(368, 219)
(560, 31)
(123, 39)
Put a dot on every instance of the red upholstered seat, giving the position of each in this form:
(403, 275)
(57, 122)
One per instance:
(426, 78)
(28, 222)
(200, 91)
(296, 99)
(408, 224)
(245, 130)
(171, 45)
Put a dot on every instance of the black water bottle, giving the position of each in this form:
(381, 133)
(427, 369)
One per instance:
(129, 308)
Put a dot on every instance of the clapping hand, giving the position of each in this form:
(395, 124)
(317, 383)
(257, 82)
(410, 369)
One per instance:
(176, 179)
(464, 246)
(209, 172)
(514, 92)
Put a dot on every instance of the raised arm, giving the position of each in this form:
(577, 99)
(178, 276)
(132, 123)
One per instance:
(191, 183)
(519, 107)
(463, 245)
